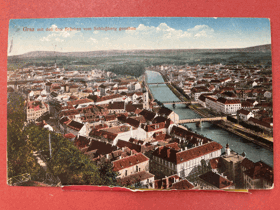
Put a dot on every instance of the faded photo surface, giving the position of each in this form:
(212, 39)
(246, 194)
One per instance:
(142, 103)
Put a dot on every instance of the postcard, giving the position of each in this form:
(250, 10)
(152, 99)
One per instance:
(146, 103)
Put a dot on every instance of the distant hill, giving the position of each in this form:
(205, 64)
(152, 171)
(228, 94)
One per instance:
(266, 47)
(41, 54)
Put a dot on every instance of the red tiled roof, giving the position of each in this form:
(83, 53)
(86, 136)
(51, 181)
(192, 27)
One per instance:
(75, 125)
(134, 178)
(148, 115)
(116, 105)
(133, 107)
(246, 104)
(259, 122)
(154, 127)
(80, 101)
(243, 111)
(133, 122)
(129, 161)
(164, 111)
(174, 146)
(182, 185)
(247, 164)
(161, 137)
(81, 141)
(197, 152)
(228, 101)
(260, 170)
(216, 180)
(130, 145)
(177, 131)
(101, 148)
(69, 135)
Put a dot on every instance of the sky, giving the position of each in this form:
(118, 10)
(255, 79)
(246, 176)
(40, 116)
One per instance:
(149, 33)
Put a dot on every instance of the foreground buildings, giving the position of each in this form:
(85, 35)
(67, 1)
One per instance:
(111, 118)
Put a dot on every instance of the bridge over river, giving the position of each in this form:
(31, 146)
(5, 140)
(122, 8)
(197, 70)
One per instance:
(179, 102)
(199, 120)
(158, 83)
(237, 143)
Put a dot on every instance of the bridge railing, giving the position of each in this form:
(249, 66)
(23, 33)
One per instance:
(202, 119)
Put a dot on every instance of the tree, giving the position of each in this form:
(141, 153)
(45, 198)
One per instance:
(67, 161)
(19, 150)
(105, 169)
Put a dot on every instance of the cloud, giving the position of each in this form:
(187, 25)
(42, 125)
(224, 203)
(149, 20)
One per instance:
(92, 40)
(201, 31)
(59, 40)
(153, 37)
(45, 39)
(95, 32)
(163, 31)
(58, 32)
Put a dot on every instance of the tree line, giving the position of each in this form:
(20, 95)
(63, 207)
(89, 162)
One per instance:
(67, 162)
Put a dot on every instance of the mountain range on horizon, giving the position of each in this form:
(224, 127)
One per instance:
(102, 53)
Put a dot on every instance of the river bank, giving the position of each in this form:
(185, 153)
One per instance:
(237, 140)
(244, 133)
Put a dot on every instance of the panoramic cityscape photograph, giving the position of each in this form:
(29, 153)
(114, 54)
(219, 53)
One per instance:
(143, 103)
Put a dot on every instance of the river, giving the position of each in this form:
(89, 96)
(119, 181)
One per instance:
(253, 152)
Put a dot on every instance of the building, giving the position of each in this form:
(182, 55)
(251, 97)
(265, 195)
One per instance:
(165, 112)
(113, 134)
(188, 163)
(197, 91)
(232, 166)
(211, 102)
(202, 99)
(228, 106)
(35, 109)
(214, 181)
(132, 169)
(260, 176)
(142, 179)
(244, 114)
(116, 107)
(173, 182)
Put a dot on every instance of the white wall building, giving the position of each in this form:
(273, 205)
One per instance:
(188, 163)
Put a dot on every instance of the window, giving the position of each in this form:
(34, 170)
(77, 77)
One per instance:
(136, 168)
(125, 172)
